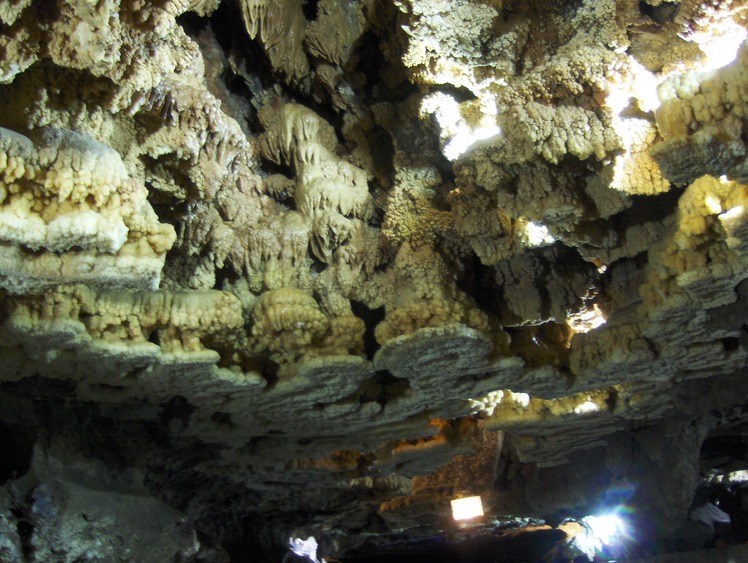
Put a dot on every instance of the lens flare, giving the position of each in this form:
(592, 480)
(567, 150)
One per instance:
(603, 535)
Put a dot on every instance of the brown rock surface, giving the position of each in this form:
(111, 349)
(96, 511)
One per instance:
(316, 267)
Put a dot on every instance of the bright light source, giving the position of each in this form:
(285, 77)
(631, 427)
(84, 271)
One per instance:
(467, 508)
(538, 235)
(587, 406)
(589, 320)
(607, 528)
(601, 533)
(740, 476)
(713, 204)
(733, 213)
(305, 548)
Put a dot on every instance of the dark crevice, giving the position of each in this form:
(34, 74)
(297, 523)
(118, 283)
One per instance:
(269, 372)
(317, 266)
(382, 388)
(458, 93)
(730, 344)
(17, 447)
(530, 546)
(155, 337)
(619, 285)
(440, 200)
(643, 210)
(192, 23)
(612, 400)
(733, 446)
(310, 9)
(26, 533)
(269, 168)
(222, 418)
(370, 62)
(177, 408)
(167, 207)
(227, 50)
(225, 277)
(371, 318)
(384, 81)
(47, 13)
(661, 14)
(170, 167)
(227, 24)
(83, 90)
(647, 208)
(479, 282)
(382, 152)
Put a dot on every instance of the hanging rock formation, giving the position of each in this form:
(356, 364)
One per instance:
(273, 269)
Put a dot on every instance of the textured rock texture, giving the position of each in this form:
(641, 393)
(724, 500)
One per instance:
(305, 267)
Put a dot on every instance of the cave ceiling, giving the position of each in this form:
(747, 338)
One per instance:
(318, 267)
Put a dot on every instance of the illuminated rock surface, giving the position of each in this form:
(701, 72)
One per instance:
(280, 269)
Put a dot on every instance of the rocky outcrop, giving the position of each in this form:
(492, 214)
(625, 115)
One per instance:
(398, 249)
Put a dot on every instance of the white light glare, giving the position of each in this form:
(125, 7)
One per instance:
(740, 476)
(600, 532)
(720, 46)
(467, 508)
(455, 131)
(538, 235)
(713, 204)
(305, 548)
(466, 138)
(587, 406)
(733, 213)
(589, 320)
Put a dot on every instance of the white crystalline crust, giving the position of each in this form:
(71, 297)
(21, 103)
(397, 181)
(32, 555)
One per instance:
(66, 199)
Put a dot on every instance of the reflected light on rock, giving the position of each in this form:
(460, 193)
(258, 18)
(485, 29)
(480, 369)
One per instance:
(466, 138)
(538, 235)
(734, 213)
(457, 135)
(586, 407)
(740, 476)
(720, 44)
(589, 320)
(713, 204)
(522, 399)
(305, 548)
(640, 90)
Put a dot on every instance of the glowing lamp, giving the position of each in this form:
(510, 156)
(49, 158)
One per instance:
(467, 508)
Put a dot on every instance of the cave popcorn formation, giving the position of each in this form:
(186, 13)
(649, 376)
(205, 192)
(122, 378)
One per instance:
(406, 250)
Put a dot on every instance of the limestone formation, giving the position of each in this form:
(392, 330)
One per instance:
(315, 267)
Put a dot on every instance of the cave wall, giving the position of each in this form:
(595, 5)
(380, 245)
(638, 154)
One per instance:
(399, 249)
